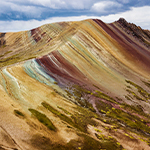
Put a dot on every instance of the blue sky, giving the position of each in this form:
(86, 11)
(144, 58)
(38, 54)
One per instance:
(17, 15)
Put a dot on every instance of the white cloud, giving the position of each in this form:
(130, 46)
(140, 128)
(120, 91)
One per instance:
(105, 6)
(54, 4)
(124, 1)
(64, 4)
(139, 16)
(13, 26)
(7, 7)
(28, 10)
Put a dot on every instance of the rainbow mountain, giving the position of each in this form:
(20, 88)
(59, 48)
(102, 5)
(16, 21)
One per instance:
(75, 85)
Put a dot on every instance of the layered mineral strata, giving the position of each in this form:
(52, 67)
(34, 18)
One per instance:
(75, 85)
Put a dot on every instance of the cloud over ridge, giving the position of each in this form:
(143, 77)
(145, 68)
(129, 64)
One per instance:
(40, 11)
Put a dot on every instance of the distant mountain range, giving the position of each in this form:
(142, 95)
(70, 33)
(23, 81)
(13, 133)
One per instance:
(75, 85)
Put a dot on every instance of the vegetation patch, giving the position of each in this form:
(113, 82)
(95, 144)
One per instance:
(136, 96)
(104, 96)
(141, 91)
(57, 113)
(7, 52)
(43, 119)
(109, 142)
(89, 143)
(84, 142)
(79, 120)
(129, 120)
(19, 114)
(133, 108)
(79, 95)
(123, 115)
(103, 107)
(64, 110)
(97, 130)
(127, 97)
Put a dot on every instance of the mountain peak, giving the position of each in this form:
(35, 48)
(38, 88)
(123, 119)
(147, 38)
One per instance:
(135, 31)
(122, 20)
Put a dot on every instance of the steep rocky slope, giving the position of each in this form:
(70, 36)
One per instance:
(75, 85)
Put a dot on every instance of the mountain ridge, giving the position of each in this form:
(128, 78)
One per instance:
(118, 23)
(75, 85)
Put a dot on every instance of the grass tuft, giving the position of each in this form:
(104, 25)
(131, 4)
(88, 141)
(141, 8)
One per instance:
(43, 119)
(19, 113)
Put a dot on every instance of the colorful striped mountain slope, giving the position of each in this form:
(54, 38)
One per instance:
(75, 85)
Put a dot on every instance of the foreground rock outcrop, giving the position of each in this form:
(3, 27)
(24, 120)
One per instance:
(75, 85)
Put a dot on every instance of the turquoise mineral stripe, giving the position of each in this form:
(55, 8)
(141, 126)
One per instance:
(3, 82)
(79, 46)
(31, 38)
(14, 92)
(34, 70)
